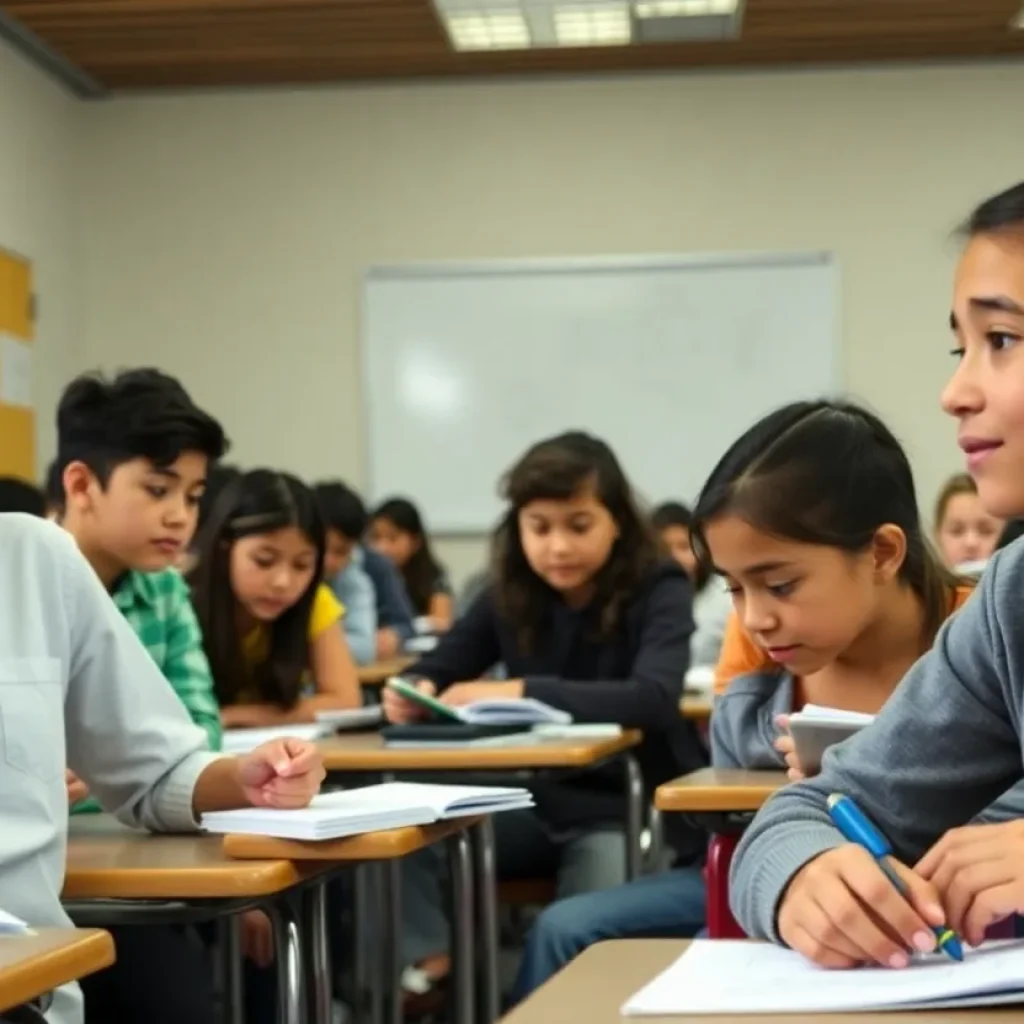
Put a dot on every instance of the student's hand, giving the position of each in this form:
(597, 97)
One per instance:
(840, 911)
(283, 773)
(389, 643)
(979, 873)
(460, 694)
(787, 748)
(77, 789)
(400, 711)
(258, 938)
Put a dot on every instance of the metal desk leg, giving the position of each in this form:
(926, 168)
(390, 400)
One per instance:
(375, 975)
(390, 942)
(482, 838)
(288, 949)
(230, 935)
(364, 936)
(634, 816)
(463, 912)
(319, 952)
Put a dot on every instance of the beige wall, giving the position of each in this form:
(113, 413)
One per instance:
(224, 235)
(37, 219)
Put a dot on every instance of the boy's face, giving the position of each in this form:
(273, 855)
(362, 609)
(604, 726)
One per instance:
(986, 393)
(145, 517)
(338, 553)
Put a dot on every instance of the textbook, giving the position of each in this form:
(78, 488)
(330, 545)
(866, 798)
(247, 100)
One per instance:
(814, 729)
(522, 711)
(369, 809)
(727, 976)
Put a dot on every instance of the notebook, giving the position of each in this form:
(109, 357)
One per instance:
(815, 728)
(739, 976)
(241, 741)
(521, 711)
(370, 809)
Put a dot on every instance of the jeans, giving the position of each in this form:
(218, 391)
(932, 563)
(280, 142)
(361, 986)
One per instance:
(525, 847)
(669, 905)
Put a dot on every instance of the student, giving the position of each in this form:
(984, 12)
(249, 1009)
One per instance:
(587, 617)
(345, 520)
(965, 532)
(217, 478)
(711, 603)
(949, 742)
(398, 533)
(838, 597)
(349, 522)
(17, 495)
(81, 690)
(268, 621)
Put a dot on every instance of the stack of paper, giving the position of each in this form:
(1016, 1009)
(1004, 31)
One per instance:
(11, 925)
(355, 718)
(815, 729)
(241, 741)
(739, 977)
(370, 809)
(816, 713)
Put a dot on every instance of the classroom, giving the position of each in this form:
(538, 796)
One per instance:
(525, 437)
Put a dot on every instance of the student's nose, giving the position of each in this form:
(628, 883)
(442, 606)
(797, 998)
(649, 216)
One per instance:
(963, 394)
(559, 542)
(758, 616)
(177, 511)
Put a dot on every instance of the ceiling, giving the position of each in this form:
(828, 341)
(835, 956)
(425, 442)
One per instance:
(129, 44)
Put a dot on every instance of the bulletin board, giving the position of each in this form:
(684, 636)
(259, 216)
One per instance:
(17, 337)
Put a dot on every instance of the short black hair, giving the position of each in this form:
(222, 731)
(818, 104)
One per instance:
(143, 413)
(671, 513)
(218, 477)
(53, 486)
(343, 510)
(997, 213)
(17, 495)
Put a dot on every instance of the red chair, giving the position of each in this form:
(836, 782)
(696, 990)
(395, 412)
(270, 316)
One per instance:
(721, 923)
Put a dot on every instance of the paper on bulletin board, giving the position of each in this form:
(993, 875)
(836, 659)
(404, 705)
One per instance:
(15, 371)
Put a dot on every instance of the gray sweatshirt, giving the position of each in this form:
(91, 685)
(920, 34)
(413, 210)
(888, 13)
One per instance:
(945, 746)
(77, 689)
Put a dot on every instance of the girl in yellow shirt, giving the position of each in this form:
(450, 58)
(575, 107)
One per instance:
(271, 630)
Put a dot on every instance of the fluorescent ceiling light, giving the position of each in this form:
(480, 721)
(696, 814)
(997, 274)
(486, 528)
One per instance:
(494, 30)
(593, 24)
(683, 8)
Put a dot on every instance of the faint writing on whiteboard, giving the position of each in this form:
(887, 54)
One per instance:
(15, 371)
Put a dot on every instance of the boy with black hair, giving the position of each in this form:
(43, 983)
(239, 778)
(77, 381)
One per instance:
(346, 518)
(17, 495)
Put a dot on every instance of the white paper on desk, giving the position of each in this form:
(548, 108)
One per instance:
(738, 976)
(15, 371)
(11, 925)
(241, 741)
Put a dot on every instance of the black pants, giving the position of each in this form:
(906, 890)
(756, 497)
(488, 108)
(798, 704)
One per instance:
(163, 975)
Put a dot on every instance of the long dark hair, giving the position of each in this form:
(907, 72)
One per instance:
(260, 501)
(828, 473)
(558, 469)
(422, 571)
(675, 513)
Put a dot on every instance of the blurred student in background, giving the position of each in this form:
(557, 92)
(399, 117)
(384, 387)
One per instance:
(965, 533)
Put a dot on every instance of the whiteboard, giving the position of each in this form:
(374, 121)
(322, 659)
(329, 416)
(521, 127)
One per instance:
(667, 359)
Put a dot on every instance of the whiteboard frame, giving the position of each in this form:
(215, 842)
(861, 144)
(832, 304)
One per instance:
(516, 266)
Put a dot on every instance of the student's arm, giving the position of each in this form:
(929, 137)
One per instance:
(441, 611)
(649, 699)
(743, 729)
(186, 667)
(360, 621)
(942, 748)
(467, 650)
(394, 612)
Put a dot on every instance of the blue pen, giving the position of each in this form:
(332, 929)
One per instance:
(858, 828)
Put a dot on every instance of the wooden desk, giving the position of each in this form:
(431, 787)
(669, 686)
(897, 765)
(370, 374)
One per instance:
(718, 790)
(32, 965)
(367, 753)
(603, 977)
(377, 673)
(696, 706)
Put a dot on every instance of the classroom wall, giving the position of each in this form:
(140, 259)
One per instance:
(38, 187)
(225, 234)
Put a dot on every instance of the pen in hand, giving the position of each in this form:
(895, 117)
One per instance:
(858, 828)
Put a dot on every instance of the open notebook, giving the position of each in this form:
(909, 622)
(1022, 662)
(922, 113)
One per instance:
(737, 977)
(522, 711)
(370, 809)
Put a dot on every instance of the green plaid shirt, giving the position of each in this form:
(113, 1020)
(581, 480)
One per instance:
(158, 607)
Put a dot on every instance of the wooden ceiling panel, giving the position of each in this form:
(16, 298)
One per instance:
(129, 44)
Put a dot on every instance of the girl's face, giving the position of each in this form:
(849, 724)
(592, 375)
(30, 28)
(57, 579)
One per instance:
(986, 392)
(567, 543)
(677, 540)
(392, 542)
(967, 532)
(271, 571)
(804, 604)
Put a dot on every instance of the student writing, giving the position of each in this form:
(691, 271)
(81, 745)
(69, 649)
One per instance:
(271, 628)
(949, 742)
(586, 616)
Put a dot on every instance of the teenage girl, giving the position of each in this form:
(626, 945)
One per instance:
(271, 629)
(587, 616)
(966, 534)
(398, 533)
(837, 593)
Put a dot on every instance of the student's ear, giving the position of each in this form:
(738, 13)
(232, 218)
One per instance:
(79, 481)
(889, 550)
